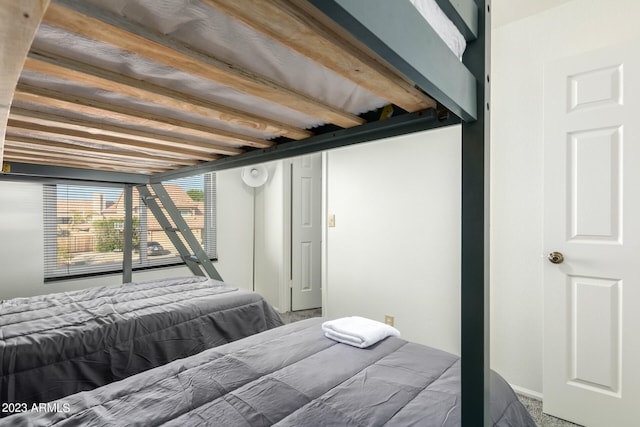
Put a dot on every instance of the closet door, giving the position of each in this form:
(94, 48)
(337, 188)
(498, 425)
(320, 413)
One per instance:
(592, 238)
(306, 232)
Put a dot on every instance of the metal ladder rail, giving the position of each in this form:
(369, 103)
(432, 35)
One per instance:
(181, 224)
(150, 201)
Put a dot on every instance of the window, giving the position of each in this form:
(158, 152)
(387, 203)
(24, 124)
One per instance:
(84, 226)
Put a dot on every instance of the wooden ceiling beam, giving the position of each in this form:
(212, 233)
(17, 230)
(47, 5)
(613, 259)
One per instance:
(58, 132)
(111, 82)
(100, 25)
(131, 116)
(19, 21)
(45, 119)
(299, 26)
(67, 162)
(24, 142)
(88, 160)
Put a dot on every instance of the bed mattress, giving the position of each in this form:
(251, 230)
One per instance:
(287, 376)
(58, 344)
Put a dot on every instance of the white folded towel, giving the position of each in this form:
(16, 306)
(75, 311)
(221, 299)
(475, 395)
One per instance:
(358, 331)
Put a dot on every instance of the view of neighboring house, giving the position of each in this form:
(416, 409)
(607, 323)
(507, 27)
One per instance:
(75, 223)
(92, 230)
(192, 211)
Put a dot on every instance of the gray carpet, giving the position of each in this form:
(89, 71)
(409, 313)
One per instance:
(294, 316)
(533, 406)
(542, 420)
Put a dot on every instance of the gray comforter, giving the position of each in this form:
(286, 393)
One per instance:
(287, 376)
(59, 344)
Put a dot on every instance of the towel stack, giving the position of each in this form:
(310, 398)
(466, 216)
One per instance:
(358, 331)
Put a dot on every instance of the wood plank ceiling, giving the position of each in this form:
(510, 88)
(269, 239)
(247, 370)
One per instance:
(51, 125)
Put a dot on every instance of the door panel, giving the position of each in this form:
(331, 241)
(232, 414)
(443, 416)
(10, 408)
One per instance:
(594, 182)
(595, 344)
(592, 216)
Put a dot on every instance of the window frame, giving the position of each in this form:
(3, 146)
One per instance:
(53, 271)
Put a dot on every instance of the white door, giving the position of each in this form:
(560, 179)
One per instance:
(592, 216)
(306, 232)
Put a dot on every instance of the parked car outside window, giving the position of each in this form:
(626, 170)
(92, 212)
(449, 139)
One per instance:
(155, 248)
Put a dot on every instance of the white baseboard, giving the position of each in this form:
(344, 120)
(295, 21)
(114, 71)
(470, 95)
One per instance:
(528, 393)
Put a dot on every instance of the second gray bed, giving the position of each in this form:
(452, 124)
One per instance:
(58, 344)
(287, 376)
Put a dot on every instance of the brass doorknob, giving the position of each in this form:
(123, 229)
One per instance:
(556, 257)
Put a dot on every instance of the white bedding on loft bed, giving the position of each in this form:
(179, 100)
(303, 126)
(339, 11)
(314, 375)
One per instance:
(209, 31)
(442, 25)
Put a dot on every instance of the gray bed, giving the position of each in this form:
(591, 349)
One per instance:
(287, 376)
(59, 344)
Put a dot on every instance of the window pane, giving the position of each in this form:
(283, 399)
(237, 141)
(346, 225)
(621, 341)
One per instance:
(84, 226)
(79, 236)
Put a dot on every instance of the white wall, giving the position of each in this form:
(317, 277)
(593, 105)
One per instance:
(234, 228)
(505, 11)
(520, 51)
(21, 234)
(21, 228)
(270, 236)
(396, 245)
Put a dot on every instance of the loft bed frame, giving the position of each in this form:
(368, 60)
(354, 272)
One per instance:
(52, 134)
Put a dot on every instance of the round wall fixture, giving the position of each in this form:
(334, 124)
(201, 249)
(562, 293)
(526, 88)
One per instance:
(255, 176)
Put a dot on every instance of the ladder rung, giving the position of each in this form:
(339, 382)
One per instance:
(195, 259)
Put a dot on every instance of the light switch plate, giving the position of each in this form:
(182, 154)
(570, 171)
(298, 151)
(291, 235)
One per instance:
(388, 320)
